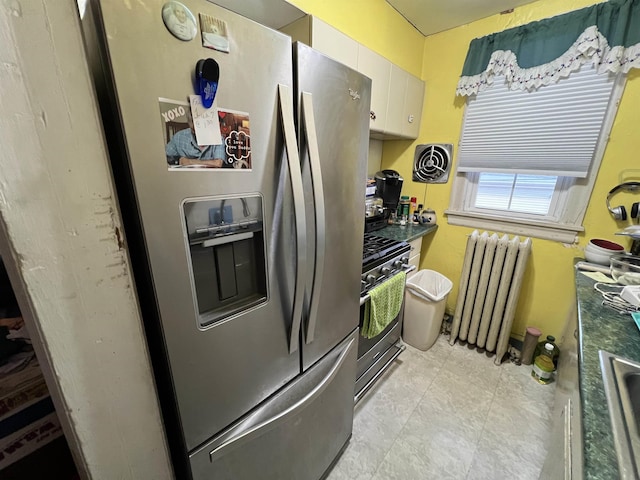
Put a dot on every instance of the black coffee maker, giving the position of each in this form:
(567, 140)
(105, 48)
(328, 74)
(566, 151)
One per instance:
(388, 187)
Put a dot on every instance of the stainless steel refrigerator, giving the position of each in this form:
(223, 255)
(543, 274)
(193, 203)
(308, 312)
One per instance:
(247, 269)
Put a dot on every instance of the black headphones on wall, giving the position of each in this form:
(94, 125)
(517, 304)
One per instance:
(619, 212)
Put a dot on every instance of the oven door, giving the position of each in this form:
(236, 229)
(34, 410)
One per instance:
(376, 354)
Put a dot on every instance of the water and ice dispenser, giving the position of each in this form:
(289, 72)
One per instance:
(225, 239)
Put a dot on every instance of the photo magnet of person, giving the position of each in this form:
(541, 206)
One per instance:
(207, 76)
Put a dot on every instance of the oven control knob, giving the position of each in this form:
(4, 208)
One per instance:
(405, 260)
(385, 271)
(371, 279)
(397, 264)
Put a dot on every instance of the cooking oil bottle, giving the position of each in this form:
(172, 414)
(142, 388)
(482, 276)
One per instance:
(543, 365)
(556, 351)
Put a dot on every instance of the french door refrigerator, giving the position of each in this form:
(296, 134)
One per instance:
(246, 257)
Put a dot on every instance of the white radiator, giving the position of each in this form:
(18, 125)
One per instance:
(490, 283)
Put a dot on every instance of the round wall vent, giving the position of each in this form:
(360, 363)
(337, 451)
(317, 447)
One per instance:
(432, 163)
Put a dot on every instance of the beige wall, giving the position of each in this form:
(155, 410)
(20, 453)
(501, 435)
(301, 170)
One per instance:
(62, 240)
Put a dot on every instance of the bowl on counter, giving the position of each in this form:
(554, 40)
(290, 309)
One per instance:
(625, 269)
(600, 251)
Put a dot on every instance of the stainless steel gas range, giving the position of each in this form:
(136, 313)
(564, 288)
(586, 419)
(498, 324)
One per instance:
(382, 258)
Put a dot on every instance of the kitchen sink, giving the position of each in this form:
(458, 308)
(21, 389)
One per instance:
(622, 387)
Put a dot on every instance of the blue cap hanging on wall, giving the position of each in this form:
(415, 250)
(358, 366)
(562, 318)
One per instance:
(207, 76)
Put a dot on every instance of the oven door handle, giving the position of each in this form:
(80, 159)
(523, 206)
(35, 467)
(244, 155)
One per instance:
(311, 135)
(295, 174)
(367, 297)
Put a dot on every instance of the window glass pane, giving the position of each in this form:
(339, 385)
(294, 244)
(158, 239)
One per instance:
(494, 190)
(517, 193)
(533, 193)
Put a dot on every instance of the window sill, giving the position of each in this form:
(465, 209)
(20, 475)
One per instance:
(545, 230)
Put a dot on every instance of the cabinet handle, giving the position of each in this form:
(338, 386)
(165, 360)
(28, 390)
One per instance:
(411, 118)
(372, 114)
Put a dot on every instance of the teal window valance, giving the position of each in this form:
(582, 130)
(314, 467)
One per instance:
(606, 35)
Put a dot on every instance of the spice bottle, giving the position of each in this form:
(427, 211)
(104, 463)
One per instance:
(543, 368)
(413, 206)
(416, 214)
(403, 207)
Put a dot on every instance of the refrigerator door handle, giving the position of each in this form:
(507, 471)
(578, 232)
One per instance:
(252, 427)
(295, 174)
(318, 197)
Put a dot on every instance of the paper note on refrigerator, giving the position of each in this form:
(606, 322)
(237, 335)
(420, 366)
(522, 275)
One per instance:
(205, 122)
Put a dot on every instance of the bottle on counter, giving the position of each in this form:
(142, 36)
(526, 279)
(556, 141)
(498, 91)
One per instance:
(413, 205)
(543, 367)
(556, 351)
(403, 208)
(416, 214)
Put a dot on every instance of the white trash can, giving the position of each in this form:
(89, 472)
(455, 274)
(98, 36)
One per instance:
(424, 303)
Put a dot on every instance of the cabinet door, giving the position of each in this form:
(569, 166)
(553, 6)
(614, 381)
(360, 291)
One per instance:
(413, 99)
(334, 44)
(378, 69)
(395, 106)
(414, 253)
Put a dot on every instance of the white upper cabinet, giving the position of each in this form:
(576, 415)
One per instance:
(334, 43)
(395, 106)
(413, 102)
(324, 38)
(378, 69)
(396, 95)
(404, 99)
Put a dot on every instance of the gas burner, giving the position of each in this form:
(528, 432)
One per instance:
(377, 250)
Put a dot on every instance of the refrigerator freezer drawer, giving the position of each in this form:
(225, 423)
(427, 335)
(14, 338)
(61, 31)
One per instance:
(296, 434)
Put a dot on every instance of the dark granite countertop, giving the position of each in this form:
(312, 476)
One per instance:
(405, 233)
(600, 328)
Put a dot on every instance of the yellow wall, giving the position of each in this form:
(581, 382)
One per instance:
(548, 292)
(373, 23)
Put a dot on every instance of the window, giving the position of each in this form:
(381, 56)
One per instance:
(531, 194)
(527, 161)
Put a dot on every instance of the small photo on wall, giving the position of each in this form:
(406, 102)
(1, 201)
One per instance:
(214, 33)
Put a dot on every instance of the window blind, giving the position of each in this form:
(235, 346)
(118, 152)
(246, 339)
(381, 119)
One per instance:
(553, 130)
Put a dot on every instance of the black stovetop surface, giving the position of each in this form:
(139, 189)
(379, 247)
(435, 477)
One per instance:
(379, 248)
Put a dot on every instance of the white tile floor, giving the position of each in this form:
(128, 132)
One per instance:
(449, 413)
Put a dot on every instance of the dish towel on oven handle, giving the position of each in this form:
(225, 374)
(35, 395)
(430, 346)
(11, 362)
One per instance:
(383, 306)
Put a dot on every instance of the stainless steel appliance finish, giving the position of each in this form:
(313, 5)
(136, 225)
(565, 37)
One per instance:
(335, 195)
(290, 435)
(621, 378)
(249, 380)
(382, 259)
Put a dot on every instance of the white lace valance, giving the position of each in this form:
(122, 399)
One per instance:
(591, 47)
